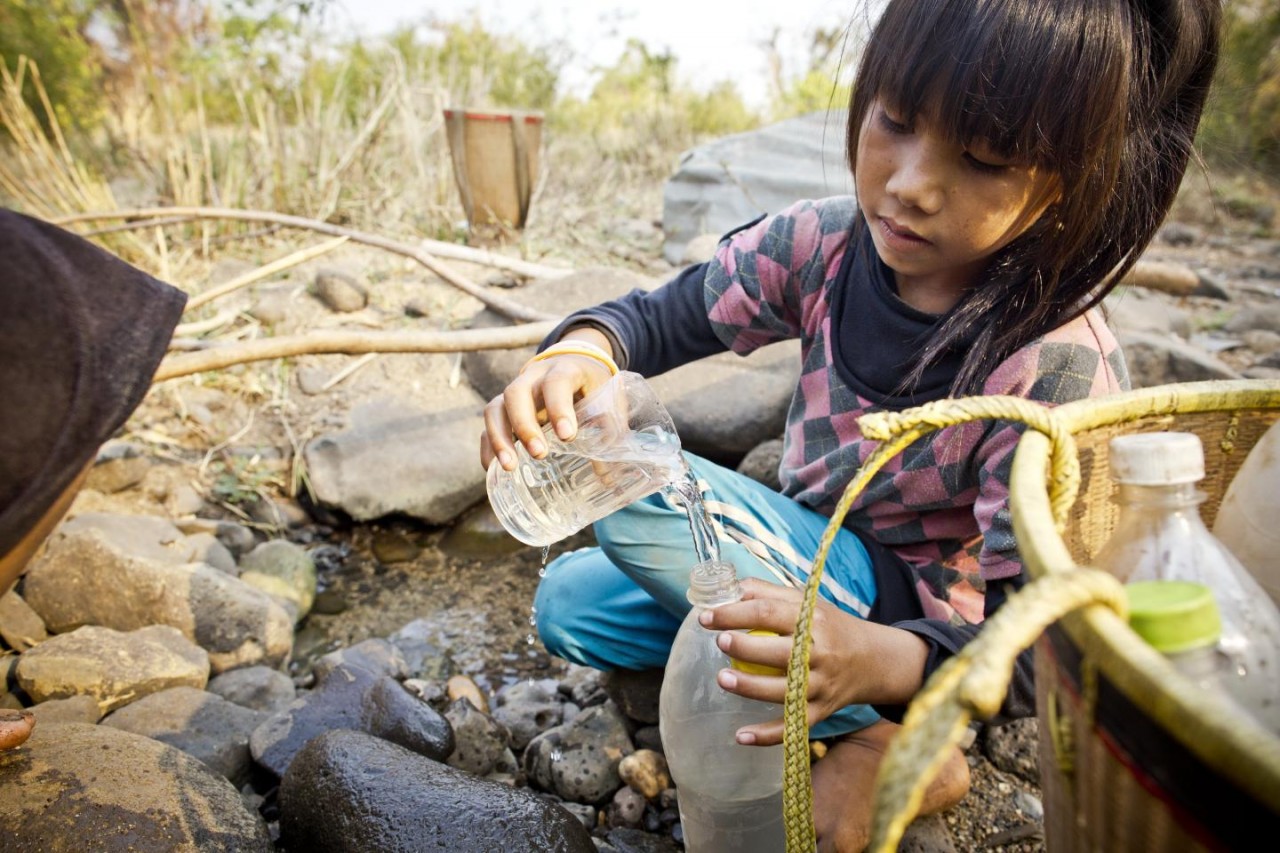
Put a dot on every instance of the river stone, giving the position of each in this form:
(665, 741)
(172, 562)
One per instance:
(378, 656)
(478, 533)
(201, 724)
(1014, 747)
(73, 709)
(348, 792)
(423, 659)
(762, 462)
(119, 465)
(377, 467)
(145, 536)
(114, 667)
(578, 761)
(209, 549)
(20, 626)
(636, 692)
(480, 741)
(259, 688)
(1162, 359)
(283, 569)
(527, 709)
(350, 697)
(86, 787)
(340, 291)
(83, 579)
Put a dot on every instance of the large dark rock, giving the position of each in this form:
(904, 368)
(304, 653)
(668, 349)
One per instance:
(348, 791)
(75, 787)
(351, 697)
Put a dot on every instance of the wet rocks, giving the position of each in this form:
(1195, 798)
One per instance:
(284, 570)
(75, 787)
(480, 741)
(645, 770)
(350, 697)
(348, 791)
(578, 761)
(527, 709)
(259, 688)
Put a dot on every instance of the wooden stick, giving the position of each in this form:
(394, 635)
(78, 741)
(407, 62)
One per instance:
(199, 327)
(435, 247)
(278, 265)
(352, 343)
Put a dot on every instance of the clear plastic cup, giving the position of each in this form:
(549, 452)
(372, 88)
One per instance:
(626, 448)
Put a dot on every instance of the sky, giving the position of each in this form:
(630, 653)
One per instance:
(712, 40)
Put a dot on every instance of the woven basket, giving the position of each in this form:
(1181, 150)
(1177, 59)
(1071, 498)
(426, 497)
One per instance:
(1133, 756)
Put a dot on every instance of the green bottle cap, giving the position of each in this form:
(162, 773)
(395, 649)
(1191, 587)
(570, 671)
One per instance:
(1174, 616)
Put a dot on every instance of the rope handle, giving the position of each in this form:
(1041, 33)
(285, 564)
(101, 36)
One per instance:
(896, 431)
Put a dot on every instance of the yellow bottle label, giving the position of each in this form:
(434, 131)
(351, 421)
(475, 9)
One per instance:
(757, 668)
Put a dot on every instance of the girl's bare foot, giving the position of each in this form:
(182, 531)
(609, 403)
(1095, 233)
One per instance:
(844, 785)
(15, 727)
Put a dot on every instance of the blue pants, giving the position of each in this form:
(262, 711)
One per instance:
(619, 606)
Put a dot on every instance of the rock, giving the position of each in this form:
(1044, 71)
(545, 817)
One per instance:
(480, 742)
(700, 249)
(626, 839)
(260, 688)
(646, 772)
(201, 724)
(73, 709)
(1135, 310)
(584, 685)
(1159, 360)
(1180, 234)
(378, 656)
(272, 305)
(209, 549)
(136, 535)
(578, 761)
(377, 467)
(1164, 276)
(635, 692)
(118, 466)
(1015, 748)
(527, 710)
(761, 463)
(423, 659)
(348, 791)
(394, 546)
(340, 291)
(82, 579)
(184, 500)
(312, 380)
(115, 668)
(478, 533)
(1266, 317)
(350, 697)
(462, 687)
(928, 834)
(282, 569)
(20, 626)
(626, 808)
(96, 788)
(15, 727)
(1262, 341)
(279, 513)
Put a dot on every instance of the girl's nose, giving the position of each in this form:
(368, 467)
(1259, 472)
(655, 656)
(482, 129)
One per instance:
(917, 181)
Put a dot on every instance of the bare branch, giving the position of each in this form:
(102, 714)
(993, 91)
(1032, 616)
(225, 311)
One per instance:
(352, 343)
(278, 265)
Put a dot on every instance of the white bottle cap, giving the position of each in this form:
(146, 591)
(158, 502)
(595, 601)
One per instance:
(1157, 458)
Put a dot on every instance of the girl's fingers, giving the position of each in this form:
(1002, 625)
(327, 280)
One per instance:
(559, 389)
(522, 414)
(756, 650)
(770, 733)
(496, 440)
(753, 588)
(765, 688)
(772, 614)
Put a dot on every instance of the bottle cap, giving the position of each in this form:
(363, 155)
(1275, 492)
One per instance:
(1174, 616)
(1157, 458)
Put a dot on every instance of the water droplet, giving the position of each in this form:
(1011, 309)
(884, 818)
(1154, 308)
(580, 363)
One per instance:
(530, 639)
(533, 620)
(542, 572)
(556, 755)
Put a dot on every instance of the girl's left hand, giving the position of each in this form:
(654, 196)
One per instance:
(850, 660)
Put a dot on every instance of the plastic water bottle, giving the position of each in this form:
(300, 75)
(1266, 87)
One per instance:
(1248, 521)
(1161, 536)
(626, 449)
(1180, 620)
(730, 795)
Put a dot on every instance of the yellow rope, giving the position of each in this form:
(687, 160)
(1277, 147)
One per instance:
(896, 431)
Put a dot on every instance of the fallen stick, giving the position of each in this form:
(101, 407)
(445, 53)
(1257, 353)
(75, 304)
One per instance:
(278, 265)
(351, 343)
(199, 327)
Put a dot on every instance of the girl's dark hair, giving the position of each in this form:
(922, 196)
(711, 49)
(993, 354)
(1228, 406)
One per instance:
(1107, 94)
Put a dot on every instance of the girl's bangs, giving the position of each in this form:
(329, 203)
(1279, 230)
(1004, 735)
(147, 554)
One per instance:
(1004, 72)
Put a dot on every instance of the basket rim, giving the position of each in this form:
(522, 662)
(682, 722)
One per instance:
(1219, 734)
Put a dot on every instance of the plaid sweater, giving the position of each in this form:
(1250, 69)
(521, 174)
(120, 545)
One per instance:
(942, 506)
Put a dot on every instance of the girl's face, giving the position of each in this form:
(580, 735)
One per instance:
(938, 210)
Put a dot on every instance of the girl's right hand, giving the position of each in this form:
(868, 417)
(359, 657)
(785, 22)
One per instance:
(544, 392)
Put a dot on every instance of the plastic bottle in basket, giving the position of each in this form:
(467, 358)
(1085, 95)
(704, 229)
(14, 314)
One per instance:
(626, 448)
(730, 795)
(1160, 535)
(1248, 520)
(1180, 619)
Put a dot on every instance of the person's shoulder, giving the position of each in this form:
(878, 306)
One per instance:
(1081, 358)
(833, 214)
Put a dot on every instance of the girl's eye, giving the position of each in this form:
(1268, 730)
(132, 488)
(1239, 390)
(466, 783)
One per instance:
(891, 124)
(984, 165)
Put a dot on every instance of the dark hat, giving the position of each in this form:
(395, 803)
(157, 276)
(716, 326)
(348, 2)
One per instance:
(81, 335)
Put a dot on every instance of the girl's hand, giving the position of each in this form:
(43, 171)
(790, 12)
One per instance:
(544, 392)
(850, 660)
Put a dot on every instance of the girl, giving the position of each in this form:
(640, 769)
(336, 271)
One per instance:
(1012, 159)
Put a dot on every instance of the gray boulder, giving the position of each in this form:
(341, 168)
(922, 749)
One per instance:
(480, 741)
(284, 570)
(578, 761)
(75, 787)
(84, 578)
(201, 724)
(1155, 359)
(349, 792)
(259, 688)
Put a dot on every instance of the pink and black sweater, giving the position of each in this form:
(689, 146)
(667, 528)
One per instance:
(936, 519)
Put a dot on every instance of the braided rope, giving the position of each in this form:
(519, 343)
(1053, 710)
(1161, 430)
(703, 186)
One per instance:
(896, 431)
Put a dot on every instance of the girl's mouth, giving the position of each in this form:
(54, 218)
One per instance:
(897, 233)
